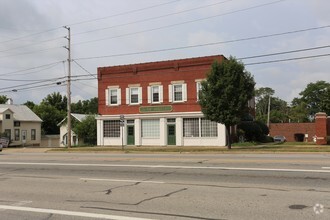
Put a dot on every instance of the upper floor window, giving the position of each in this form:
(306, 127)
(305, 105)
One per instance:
(113, 96)
(177, 92)
(155, 94)
(198, 89)
(134, 95)
(17, 123)
(7, 116)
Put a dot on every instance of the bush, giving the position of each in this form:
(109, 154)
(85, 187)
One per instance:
(254, 131)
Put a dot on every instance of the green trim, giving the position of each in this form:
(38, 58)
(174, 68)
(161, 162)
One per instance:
(152, 109)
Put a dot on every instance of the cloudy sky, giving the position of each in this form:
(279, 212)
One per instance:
(112, 32)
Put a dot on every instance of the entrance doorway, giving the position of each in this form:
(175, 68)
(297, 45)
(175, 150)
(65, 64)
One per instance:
(130, 135)
(171, 138)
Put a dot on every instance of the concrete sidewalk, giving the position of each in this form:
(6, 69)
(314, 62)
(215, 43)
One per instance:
(26, 150)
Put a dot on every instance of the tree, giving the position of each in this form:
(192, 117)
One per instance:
(87, 130)
(278, 108)
(226, 92)
(50, 118)
(262, 96)
(85, 106)
(298, 111)
(30, 104)
(57, 100)
(3, 99)
(316, 96)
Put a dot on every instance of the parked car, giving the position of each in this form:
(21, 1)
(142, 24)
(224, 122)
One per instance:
(279, 138)
(0, 147)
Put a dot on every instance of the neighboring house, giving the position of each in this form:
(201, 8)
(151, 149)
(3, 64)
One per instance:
(158, 104)
(20, 124)
(75, 118)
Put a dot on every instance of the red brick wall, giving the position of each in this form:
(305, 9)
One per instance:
(187, 70)
(321, 128)
(290, 129)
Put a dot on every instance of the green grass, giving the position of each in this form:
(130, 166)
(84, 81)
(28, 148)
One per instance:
(236, 148)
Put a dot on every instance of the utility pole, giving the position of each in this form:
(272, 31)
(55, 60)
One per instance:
(69, 87)
(268, 114)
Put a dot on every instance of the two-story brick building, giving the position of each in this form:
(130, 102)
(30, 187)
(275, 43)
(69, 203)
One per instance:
(158, 102)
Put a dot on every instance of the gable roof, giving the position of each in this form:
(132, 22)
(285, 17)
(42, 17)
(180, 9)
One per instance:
(79, 117)
(21, 112)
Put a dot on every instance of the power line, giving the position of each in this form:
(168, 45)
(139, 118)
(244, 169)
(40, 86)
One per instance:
(30, 35)
(153, 18)
(31, 52)
(33, 44)
(32, 68)
(86, 21)
(288, 59)
(84, 68)
(207, 44)
(285, 52)
(182, 23)
(122, 13)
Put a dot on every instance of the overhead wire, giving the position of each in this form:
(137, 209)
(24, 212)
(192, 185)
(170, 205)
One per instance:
(32, 68)
(178, 24)
(152, 18)
(122, 13)
(83, 68)
(206, 44)
(86, 21)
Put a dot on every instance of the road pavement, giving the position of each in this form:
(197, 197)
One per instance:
(164, 186)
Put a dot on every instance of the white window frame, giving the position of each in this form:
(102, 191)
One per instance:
(198, 89)
(150, 128)
(129, 96)
(151, 94)
(171, 97)
(108, 96)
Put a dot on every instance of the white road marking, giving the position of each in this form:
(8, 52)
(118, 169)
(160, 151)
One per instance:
(117, 180)
(168, 167)
(68, 213)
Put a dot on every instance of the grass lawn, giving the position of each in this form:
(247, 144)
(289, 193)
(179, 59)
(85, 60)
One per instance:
(236, 148)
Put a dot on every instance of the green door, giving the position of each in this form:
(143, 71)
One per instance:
(171, 139)
(130, 135)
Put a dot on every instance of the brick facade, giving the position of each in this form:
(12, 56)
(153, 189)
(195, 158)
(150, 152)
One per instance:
(290, 129)
(165, 72)
(156, 104)
(318, 131)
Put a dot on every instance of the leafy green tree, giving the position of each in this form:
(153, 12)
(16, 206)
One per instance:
(3, 99)
(85, 106)
(278, 108)
(30, 104)
(57, 100)
(226, 92)
(87, 130)
(50, 116)
(316, 96)
(262, 96)
(298, 111)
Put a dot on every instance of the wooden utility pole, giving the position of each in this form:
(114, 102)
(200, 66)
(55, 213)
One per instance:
(69, 88)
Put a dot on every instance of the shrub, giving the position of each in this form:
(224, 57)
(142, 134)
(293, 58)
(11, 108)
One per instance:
(254, 131)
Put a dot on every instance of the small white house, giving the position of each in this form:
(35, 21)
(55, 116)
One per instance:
(20, 124)
(64, 130)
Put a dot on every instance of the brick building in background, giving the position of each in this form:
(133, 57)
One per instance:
(158, 102)
(317, 131)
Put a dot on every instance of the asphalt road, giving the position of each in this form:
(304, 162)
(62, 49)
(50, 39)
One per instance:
(164, 186)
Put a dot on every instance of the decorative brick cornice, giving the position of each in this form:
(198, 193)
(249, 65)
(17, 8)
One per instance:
(159, 65)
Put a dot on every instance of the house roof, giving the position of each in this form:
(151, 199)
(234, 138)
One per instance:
(79, 117)
(21, 112)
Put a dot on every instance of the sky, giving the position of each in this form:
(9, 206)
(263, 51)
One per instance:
(33, 41)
